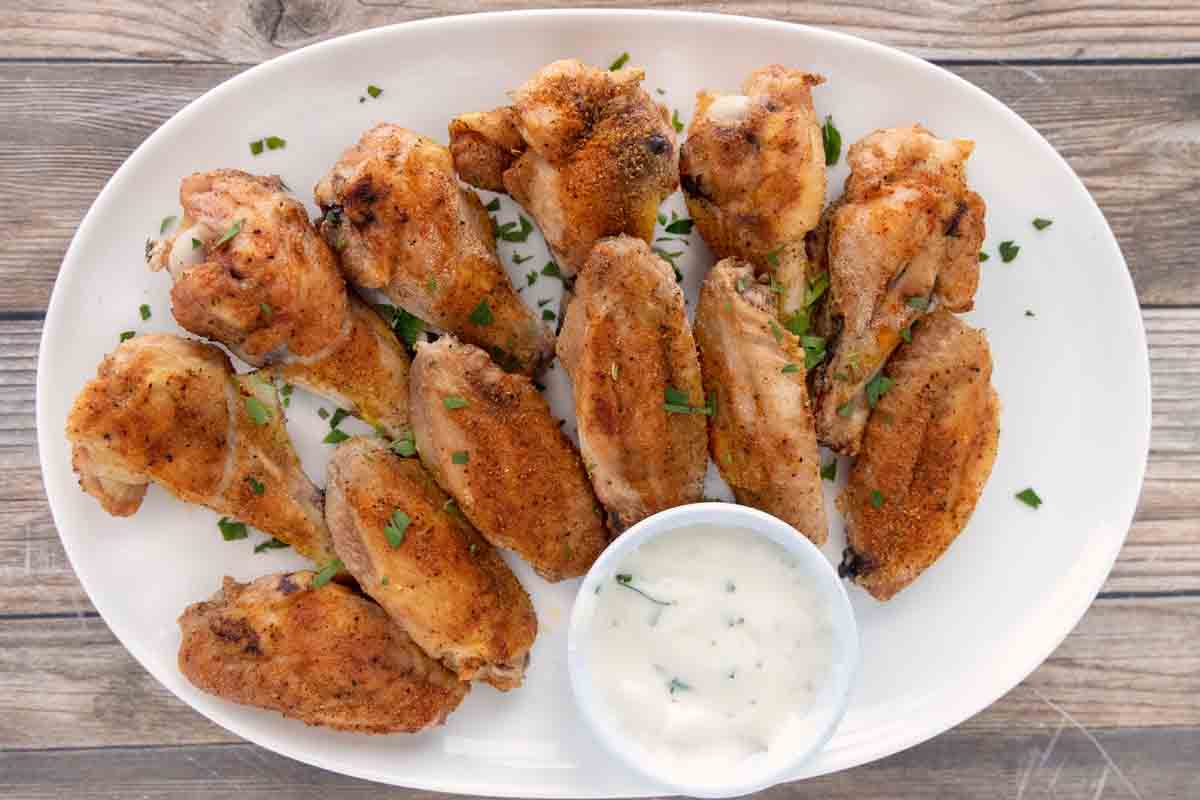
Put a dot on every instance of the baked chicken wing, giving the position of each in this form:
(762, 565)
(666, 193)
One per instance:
(903, 238)
(586, 151)
(171, 410)
(762, 436)
(425, 564)
(488, 438)
(928, 450)
(639, 401)
(250, 272)
(399, 219)
(322, 654)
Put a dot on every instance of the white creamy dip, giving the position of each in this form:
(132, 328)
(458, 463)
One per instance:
(710, 646)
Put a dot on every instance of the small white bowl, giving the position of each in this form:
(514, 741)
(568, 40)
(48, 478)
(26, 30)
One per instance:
(832, 699)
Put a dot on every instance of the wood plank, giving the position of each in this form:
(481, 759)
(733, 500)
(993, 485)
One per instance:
(255, 30)
(65, 130)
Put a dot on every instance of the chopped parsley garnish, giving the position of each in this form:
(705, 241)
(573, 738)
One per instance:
(233, 231)
(166, 224)
(773, 257)
(551, 270)
(196, 244)
(1029, 313)
(266, 310)
(519, 259)
(983, 256)
(460, 457)
(404, 446)
(144, 311)
(877, 387)
(231, 530)
(1041, 223)
(776, 287)
(1008, 251)
(670, 257)
(257, 411)
(797, 323)
(832, 139)
(675, 122)
(509, 231)
(906, 334)
(431, 285)
(619, 62)
(454, 401)
(275, 143)
(256, 485)
(662, 218)
(740, 283)
(256, 147)
(814, 350)
(127, 335)
(322, 413)
(407, 326)
(396, 528)
(493, 206)
(677, 685)
(1029, 497)
(383, 581)
(531, 277)
(374, 90)
(876, 499)
(815, 289)
(335, 436)
(548, 315)
(271, 544)
(676, 402)
(482, 315)
(846, 409)
(680, 226)
(626, 580)
(338, 415)
(327, 572)
(789, 368)
(776, 331)
(829, 471)
(918, 302)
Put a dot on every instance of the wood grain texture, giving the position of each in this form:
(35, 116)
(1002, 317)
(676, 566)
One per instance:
(249, 31)
(65, 130)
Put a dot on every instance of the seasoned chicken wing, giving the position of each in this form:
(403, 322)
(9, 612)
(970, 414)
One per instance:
(762, 436)
(903, 237)
(397, 215)
(753, 166)
(488, 438)
(425, 564)
(928, 450)
(322, 654)
(586, 151)
(252, 273)
(171, 410)
(639, 401)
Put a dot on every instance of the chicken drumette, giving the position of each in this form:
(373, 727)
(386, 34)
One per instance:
(252, 273)
(586, 151)
(762, 438)
(425, 564)
(928, 450)
(402, 224)
(171, 410)
(639, 401)
(903, 238)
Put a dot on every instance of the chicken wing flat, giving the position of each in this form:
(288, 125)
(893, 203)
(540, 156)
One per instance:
(322, 654)
(753, 165)
(928, 450)
(250, 272)
(586, 151)
(171, 410)
(903, 238)
(429, 569)
(639, 401)
(399, 219)
(488, 439)
(762, 436)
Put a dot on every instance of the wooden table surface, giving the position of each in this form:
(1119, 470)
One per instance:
(1115, 86)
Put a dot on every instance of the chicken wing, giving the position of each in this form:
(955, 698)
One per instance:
(586, 151)
(639, 401)
(429, 569)
(397, 215)
(322, 654)
(927, 452)
(171, 410)
(252, 273)
(762, 436)
(488, 438)
(903, 237)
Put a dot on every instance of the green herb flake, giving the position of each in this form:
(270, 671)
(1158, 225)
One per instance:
(1029, 313)
(335, 436)
(906, 334)
(531, 277)
(322, 413)
(1008, 251)
(271, 544)
(275, 143)
(166, 224)
(482, 315)
(494, 205)
(453, 402)
(460, 457)
(374, 90)
(1029, 497)
(846, 409)
(519, 259)
(773, 257)
(662, 219)
(1041, 223)
(776, 331)
(196, 244)
(327, 572)
(918, 302)
(508, 232)
(814, 350)
(815, 289)
(231, 530)
(625, 579)
(256, 147)
(266, 310)
(615, 371)
(876, 499)
(740, 283)
(619, 62)
(233, 231)
(405, 446)
(258, 411)
(384, 580)
(983, 256)
(127, 335)
(675, 121)
(338, 415)
(144, 311)
(551, 270)
(832, 139)
(548, 315)
(790, 368)
(829, 471)
(877, 387)
(407, 326)
(677, 685)
(681, 226)
(256, 485)
(473, 547)
(798, 322)
(396, 528)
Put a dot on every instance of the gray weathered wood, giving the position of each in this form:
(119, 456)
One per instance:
(253, 30)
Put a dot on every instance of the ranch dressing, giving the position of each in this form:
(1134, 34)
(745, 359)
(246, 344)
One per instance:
(710, 646)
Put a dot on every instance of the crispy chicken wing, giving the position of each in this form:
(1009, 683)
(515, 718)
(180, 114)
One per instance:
(401, 222)
(927, 452)
(903, 237)
(252, 273)
(425, 564)
(639, 401)
(488, 438)
(586, 151)
(324, 655)
(171, 410)
(761, 436)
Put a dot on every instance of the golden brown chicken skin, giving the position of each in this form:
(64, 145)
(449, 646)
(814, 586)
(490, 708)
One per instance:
(639, 401)
(903, 238)
(322, 654)
(396, 214)
(489, 439)
(762, 436)
(251, 272)
(423, 562)
(928, 450)
(586, 151)
(171, 410)
(753, 165)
